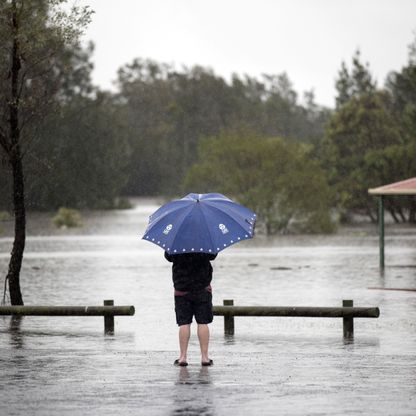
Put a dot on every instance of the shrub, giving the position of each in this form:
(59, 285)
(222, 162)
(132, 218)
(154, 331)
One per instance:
(122, 203)
(5, 216)
(274, 177)
(67, 217)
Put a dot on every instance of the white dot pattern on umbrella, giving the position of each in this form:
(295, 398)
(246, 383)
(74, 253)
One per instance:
(250, 221)
(202, 249)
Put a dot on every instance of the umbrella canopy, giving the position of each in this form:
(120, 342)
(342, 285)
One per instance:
(200, 223)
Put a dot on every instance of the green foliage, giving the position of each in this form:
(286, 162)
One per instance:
(79, 155)
(392, 164)
(67, 217)
(84, 148)
(354, 83)
(5, 216)
(92, 146)
(275, 178)
(81, 159)
(46, 36)
(53, 80)
(123, 203)
(370, 139)
(402, 86)
(168, 111)
(361, 125)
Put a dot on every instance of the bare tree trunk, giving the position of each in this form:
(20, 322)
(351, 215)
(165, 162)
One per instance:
(401, 214)
(15, 264)
(15, 159)
(370, 213)
(412, 210)
(393, 214)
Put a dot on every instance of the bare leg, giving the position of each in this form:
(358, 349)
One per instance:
(203, 336)
(184, 334)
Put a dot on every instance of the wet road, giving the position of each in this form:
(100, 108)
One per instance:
(288, 366)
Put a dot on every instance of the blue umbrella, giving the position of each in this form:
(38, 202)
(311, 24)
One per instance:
(200, 223)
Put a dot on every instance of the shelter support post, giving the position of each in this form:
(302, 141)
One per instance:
(381, 229)
(402, 188)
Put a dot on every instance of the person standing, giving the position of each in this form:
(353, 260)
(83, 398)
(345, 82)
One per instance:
(192, 275)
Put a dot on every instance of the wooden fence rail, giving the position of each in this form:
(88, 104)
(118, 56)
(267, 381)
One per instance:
(348, 312)
(108, 311)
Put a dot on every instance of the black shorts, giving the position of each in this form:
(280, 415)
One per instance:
(194, 304)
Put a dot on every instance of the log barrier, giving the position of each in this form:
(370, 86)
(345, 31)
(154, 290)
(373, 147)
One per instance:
(108, 311)
(347, 312)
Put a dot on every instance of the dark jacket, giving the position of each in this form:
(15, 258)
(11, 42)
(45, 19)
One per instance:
(191, 272)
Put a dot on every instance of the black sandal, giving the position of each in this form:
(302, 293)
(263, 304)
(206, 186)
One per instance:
(208, 363)
(180, 363)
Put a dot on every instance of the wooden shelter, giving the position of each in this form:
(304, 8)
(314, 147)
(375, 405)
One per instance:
(406, 187)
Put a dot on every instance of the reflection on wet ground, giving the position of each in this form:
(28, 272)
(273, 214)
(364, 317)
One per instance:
(292, 366)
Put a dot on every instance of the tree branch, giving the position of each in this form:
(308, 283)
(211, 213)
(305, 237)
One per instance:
(4, 144)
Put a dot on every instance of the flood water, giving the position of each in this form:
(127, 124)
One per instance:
(286, 366)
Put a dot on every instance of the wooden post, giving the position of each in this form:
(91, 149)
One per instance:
(228, 318)
(348, 322)
(381, 229)
(109, 319)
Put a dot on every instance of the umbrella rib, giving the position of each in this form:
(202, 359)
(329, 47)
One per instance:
(179, 227)
(233, 206)
(234, 211)
(209, 233)
(178, 233)
(232, 219)
(156, 221)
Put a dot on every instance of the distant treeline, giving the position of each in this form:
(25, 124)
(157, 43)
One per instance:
(168, 131)
(142, 140)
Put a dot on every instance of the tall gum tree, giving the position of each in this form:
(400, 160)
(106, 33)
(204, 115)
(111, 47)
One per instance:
(33, 36)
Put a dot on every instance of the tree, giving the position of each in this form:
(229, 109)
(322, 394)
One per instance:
(32, 35)
(392, 164)
(362, 123)
(274, 177)
(354, 83)
(398, 162)
(81, 156)
(402, 86)
(166, 112)
(146, 105)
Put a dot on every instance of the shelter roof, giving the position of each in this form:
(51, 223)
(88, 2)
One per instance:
(406, 187)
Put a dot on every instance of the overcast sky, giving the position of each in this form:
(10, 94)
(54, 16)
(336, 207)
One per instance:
(308, 39)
